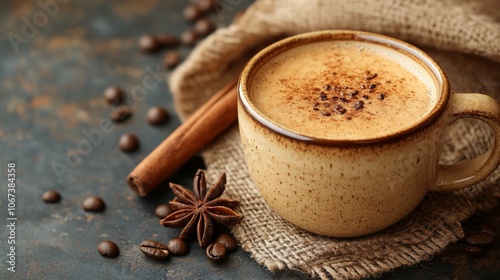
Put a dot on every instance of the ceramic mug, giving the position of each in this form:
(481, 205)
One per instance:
(350, 188)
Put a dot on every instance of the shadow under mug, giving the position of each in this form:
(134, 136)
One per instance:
(353, 188)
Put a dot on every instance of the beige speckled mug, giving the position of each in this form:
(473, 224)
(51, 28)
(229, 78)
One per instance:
(342, 130)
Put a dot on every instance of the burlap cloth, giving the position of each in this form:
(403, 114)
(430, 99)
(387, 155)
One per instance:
(452, 25)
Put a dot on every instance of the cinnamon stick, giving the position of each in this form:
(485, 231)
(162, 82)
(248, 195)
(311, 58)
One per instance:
(210, 120)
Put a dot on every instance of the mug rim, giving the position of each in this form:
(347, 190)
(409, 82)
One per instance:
(280, 46)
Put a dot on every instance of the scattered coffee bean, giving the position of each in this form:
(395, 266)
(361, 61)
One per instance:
(206, 5)
(487, 229)
(120, 114)
(148, 44)
(335, 98)
(204, 26)
(163, 211)
(216, 252)
(363, 86)
(155, 250)
(189, 37)
(171, 60)
(325, 113)
(108, 249)
(157, 116)
(322, 96)
(371, 76)
(51, 196)
(365, 96)
(372, 86)
(328, 87)
(228, 241)
(343, 99)
(128, 143)
(94, 203)
(114, 95)
(192, 13)
(479, 235)
(381, 96)
(479, 239)
(167, 40)
(473, 251)
(178, 247)
(358, 105)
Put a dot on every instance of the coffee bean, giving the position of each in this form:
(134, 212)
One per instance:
(487, 229)
(114, 95)
(171, 60)
(381, 96)
(216, 252)
(51, 196)
(322, 96)
(479, 239)
(108, 249)
(157, 116)
(206, 5)
(163, 211)
(189, 37)
(120, 114)
(204, 26)
(128, 143)
(148, 44)
(155, 250)
(228, 241)
(192, 13)
(178, 247)
(167, 40)
(93, 203)
(473, 251)
(372, 86)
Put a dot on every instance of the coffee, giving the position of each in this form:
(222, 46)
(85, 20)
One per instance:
(343, 90)
(342, 130)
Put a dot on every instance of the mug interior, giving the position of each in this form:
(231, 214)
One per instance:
(403, 51)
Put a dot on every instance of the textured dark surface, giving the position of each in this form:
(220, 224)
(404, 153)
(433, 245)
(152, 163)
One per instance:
(51, 95)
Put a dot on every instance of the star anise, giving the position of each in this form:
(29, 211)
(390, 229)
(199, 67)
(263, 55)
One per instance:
(199, 210)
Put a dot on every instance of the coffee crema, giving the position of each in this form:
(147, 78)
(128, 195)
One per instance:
(343, 90)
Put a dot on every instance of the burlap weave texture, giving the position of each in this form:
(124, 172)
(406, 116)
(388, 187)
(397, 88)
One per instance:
(471, 27)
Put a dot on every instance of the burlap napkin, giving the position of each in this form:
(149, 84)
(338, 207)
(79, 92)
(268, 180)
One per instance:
(457, 25)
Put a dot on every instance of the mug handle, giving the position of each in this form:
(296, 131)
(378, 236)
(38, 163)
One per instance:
(461, 175)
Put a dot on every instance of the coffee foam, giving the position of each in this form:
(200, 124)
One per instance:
(291, 90)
